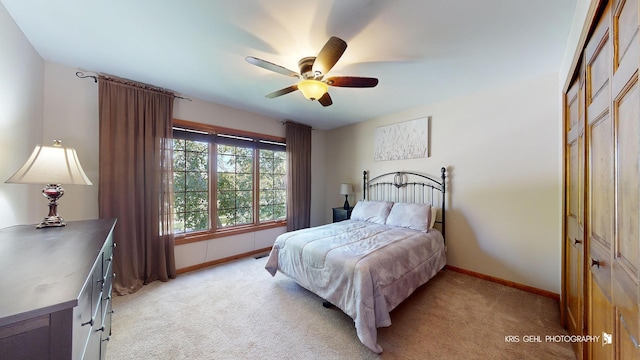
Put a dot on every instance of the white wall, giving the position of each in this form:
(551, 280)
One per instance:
(21, 116)
(71, 115)
(502, 151)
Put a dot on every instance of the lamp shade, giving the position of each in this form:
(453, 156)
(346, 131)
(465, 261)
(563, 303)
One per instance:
(346, 189)
(312, 89)
(51, 165)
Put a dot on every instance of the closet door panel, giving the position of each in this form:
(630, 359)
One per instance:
(626, 248)
(600, 199)
(600, 178)
(625, 41)
(602, 321)
(600, 174)
(626, 109)
(628, 348)
(574, 218)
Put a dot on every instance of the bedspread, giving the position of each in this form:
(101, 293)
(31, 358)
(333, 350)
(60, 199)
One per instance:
(365, 269)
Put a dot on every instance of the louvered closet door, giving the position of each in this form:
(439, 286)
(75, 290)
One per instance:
(574, 208)
(600, 189)
(625, 267)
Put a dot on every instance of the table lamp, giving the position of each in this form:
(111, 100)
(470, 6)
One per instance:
(53, 166)
(346, 189)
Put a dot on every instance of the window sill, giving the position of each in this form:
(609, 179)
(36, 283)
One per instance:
(182, 239)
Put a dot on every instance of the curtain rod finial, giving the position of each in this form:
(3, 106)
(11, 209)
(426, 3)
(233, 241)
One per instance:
(81, 75)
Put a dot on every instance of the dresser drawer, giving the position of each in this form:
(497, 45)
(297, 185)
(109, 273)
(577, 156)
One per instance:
(108, 250)
(88, 315)
(107, 277)
(96, 293)
(82, 320)
(106, 322)
(105, 328)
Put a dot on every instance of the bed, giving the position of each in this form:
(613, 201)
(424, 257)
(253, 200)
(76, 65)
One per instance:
(369, 264)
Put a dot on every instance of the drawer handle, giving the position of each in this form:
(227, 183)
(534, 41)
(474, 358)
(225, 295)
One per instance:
(90, 323)
(576, 241)
(114, 245)
(110, 258)
(113, 276)
(595, 262)
(107, 298)
(100, 329)
(107, 338)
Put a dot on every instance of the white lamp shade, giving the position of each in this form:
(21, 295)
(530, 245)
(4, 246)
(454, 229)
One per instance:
(51, 165)
(312, 89)
(346, 189)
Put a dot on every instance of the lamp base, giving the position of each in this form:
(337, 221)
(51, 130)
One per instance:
(53, 192)
(346, 202)
(51, 221)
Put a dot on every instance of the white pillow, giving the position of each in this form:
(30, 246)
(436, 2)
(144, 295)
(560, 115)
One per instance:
(412, 216)
(372, 211)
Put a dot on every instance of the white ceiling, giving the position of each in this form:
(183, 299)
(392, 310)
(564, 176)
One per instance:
(422, 51)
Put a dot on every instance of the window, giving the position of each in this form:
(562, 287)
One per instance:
(235, 185)
(273, 185)
(190, 185)
(226, 180)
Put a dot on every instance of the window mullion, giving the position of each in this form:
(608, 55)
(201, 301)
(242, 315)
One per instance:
(256, 186)
(213, 187)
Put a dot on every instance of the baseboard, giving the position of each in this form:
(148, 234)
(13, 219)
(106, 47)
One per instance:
(512, 284)
(221, 261)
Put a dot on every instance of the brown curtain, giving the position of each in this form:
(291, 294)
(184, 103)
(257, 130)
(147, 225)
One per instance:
(136, 180)
(298, 176)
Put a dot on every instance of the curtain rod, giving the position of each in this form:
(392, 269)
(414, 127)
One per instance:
(285, 122)
(82, 75)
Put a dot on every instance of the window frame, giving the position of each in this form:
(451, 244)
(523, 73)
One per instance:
(213, 231)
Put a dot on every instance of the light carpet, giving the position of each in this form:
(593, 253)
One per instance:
(238, 311)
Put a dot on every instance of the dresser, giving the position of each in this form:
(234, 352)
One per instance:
(55, 288)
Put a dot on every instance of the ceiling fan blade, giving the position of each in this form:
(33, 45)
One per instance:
(329, 55)
(325, 100)
(352, 81)
(271, 66)
(282, 91)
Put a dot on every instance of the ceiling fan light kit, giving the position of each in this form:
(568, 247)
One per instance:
(312, 71)
(313, 89)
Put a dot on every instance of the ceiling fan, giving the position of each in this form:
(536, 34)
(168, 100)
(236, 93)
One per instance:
(312, 83)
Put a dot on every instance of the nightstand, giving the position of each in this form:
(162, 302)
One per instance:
(339, 213)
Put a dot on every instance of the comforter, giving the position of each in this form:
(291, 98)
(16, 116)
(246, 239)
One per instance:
(366, 269)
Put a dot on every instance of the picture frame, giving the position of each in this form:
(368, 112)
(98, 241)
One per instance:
(401, 141)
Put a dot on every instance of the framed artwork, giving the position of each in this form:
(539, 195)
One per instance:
(405, 140)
